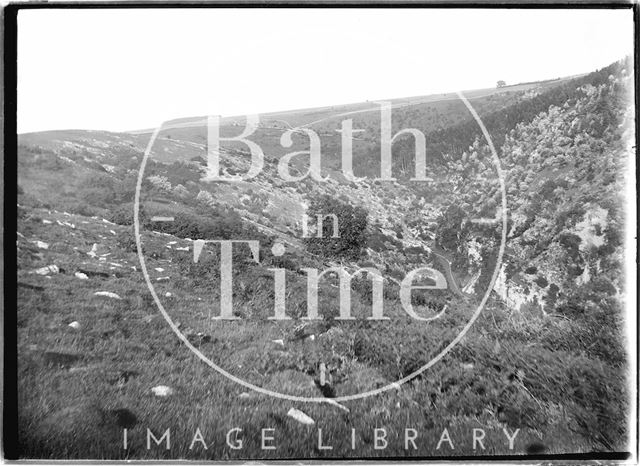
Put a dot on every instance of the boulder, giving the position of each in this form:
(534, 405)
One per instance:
(107, 294)
(301, 417)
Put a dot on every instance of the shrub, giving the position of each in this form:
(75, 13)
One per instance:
(126, 241)
(123, 215)
(100, 190)
(352, 225)
(223, 224)
(80, 208)
(541, 281)
(450, 232)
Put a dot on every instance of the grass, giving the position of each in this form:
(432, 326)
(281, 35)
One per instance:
(502, 375)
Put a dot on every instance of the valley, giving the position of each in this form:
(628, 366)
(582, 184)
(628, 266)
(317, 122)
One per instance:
(546, 355)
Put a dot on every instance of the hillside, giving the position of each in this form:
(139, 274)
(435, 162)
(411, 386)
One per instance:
(546, 355)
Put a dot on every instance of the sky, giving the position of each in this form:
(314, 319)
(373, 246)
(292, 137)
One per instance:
(129, 69)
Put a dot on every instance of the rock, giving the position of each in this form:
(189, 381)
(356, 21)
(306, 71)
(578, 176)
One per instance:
(65, 224)
(278, 342)
(56, 358)
(41, 244)
(168, 294)
(107, 294)
(49, 269)
(300, 417)
(75, 325)
(163, 279)
(162, 390)
(93, 273)
(112, 232)
(159, 269)
(81, 276)
(46, 222)
(94, 250)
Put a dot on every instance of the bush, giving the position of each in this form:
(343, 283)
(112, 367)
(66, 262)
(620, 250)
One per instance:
(80, 208)
(123, 215)
(99, 190)
(450, 232)
(352, 225)
(200, 227)
(126, 241)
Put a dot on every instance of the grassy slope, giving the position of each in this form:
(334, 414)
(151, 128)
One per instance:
(64, 411)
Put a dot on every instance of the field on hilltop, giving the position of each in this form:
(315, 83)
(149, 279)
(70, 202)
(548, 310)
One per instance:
(547, 357)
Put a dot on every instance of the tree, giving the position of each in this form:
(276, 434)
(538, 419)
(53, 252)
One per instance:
(452, 230)
(352, 225)
(501, 84)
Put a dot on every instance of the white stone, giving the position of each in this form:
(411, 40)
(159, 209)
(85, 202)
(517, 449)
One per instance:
(300, 417)
(93, 251)
(107, 294)
(162, 390)
(47, 270)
